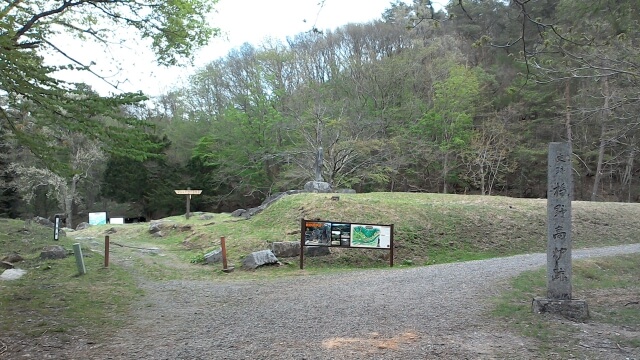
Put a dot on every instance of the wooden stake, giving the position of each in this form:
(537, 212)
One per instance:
(223, 245)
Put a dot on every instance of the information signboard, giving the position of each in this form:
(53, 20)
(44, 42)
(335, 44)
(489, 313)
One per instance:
(56, 228)
(97, 218)
(345, 235)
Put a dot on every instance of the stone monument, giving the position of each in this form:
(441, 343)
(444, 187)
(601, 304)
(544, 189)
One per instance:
(559, 272)
(318, 185)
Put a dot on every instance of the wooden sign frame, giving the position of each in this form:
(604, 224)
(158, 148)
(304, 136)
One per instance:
(345, 235)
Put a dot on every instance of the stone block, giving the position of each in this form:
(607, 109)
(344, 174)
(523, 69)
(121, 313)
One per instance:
(317, 187)
(313, 251)
(571, 309)
(286, 248)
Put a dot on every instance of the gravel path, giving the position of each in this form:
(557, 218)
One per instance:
(428, 312)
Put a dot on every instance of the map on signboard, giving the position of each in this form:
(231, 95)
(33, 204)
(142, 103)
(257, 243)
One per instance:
(373, 236)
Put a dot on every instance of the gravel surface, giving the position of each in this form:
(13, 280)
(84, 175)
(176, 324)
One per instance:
(428, 312)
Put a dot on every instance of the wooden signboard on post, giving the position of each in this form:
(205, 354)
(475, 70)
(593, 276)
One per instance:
(188, 193)
(323, 233)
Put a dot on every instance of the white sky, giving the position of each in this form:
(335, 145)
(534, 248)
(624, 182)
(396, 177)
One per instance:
(240, 21)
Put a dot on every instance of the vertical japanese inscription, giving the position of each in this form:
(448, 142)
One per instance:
(560, 186)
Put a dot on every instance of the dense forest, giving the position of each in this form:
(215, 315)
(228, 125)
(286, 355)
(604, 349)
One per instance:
(462, 100)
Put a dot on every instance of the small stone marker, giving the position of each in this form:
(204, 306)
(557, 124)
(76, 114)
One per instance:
(77, 251)
(188, 192)
(559, 271)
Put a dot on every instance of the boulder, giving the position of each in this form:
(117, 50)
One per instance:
(213, 257)
(6, 265)
(157, 234)
(43, 221)
(286, 248)
(259, 258)
(238, 212)
(156, 226)
(313, 251)
(82, 226)
(12, 274)
(13, 258)
(317, 187)
(111, 231)
(205, 217)
(53, 252)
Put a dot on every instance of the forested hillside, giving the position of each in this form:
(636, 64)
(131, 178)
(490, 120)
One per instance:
(463, 100)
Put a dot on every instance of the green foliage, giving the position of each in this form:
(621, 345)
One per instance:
(36, 100)
(197, 259)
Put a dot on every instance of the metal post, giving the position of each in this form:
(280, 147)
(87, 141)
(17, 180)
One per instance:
(79, 260)
(106, 251)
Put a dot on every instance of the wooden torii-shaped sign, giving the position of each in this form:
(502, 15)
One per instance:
(188, 192)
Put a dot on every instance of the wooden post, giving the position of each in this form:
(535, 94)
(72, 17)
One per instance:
(188, 192)
(106, 251)
(77, 251)
(223, 245)
(391, 248)
(302, 229)
(188, 213)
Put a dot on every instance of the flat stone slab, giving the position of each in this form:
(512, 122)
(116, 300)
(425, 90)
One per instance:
(12, 274)
(571, 309)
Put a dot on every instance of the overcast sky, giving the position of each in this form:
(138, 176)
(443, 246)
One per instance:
(240, 21)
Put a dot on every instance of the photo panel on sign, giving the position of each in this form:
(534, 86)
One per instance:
(317, 233)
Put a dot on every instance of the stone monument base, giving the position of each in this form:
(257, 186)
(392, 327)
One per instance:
(572, 309)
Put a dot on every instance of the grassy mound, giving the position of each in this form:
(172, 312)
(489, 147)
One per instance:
(429, 228)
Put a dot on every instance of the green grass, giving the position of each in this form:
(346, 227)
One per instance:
(52, 297)
(608, 284)
(429, 228)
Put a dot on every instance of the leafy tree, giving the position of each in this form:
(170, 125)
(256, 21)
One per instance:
(449, 123)
(31, 28)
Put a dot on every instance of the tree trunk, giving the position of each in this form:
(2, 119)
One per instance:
(598, 176)
(627, 176)
(68, 200)
(567, 120)
(445, 171)
(603, 142)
